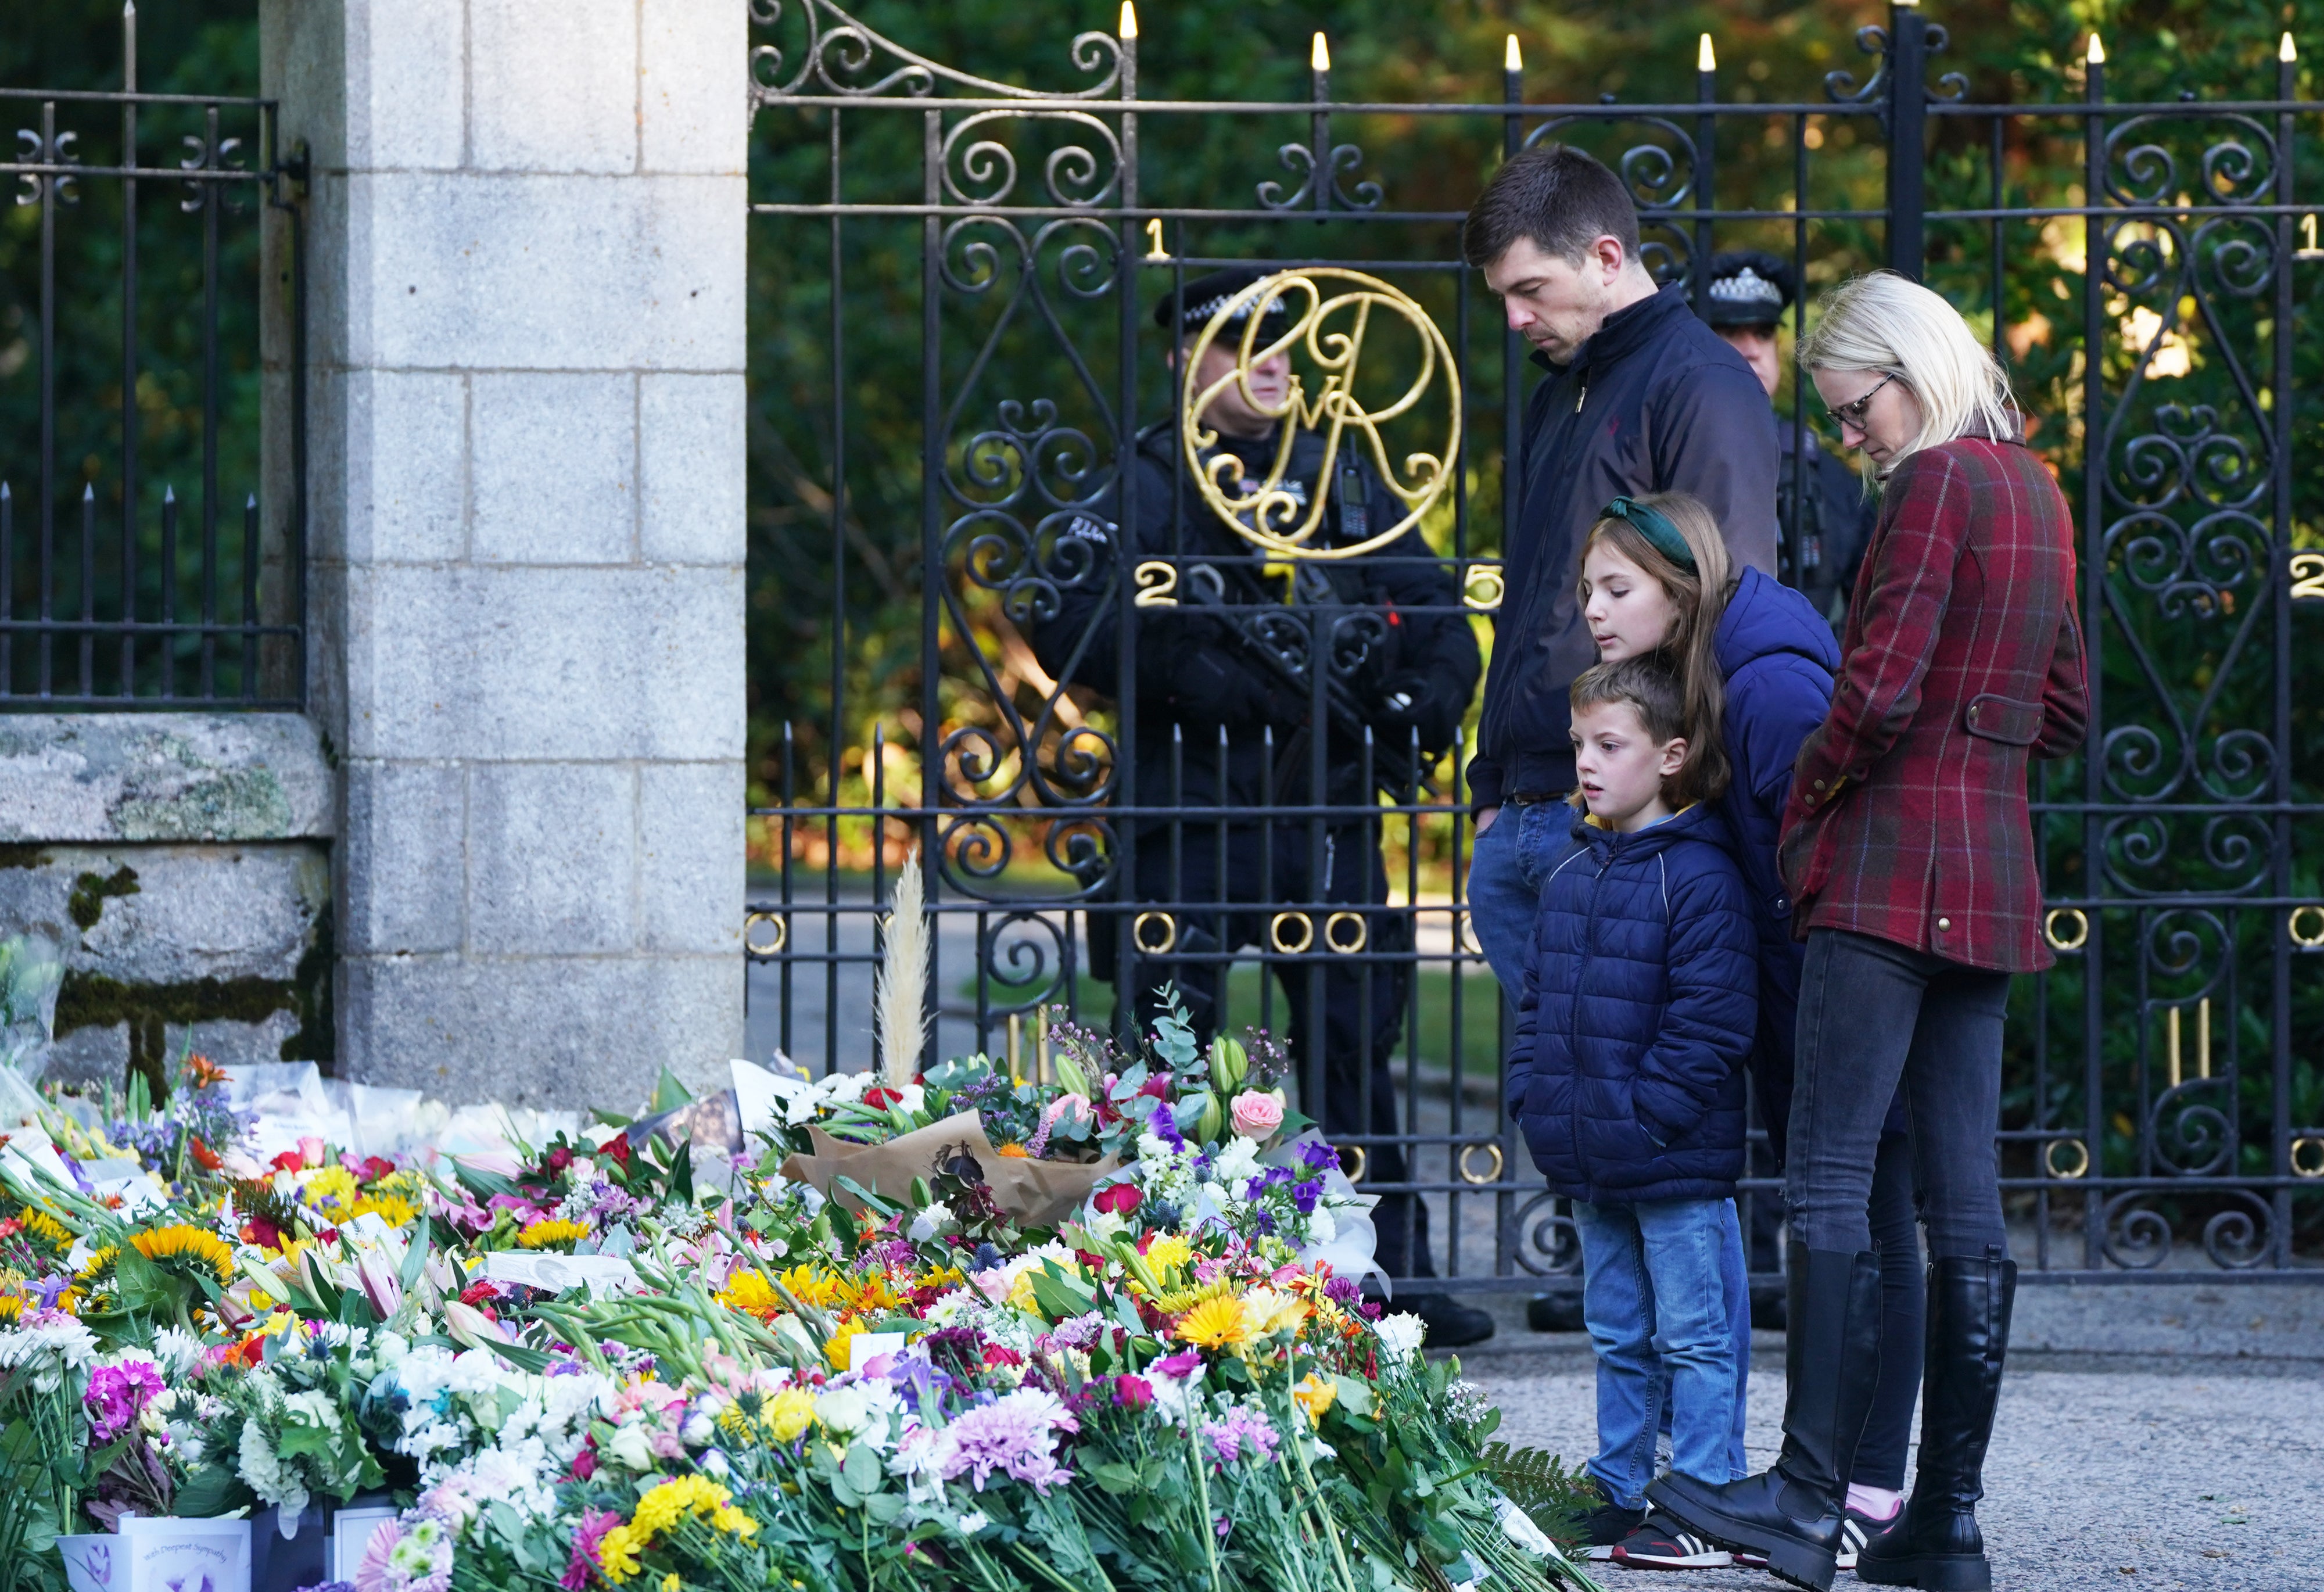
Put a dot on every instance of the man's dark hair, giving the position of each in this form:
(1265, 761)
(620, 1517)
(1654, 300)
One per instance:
(1555, 197)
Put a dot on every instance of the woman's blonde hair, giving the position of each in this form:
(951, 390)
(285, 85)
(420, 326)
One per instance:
(1884, 323)
(1700, 595)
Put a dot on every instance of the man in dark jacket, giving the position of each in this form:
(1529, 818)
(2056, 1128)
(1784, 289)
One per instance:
(1821, 505)
(1226, 707)
(1641, 396)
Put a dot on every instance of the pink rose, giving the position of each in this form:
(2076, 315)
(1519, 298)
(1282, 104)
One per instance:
(1257, 1114)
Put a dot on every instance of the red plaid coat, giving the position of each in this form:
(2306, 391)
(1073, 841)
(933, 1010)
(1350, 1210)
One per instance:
(1963, 657)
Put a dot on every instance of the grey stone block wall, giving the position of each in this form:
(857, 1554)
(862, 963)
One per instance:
(526, 423)
(181, 864)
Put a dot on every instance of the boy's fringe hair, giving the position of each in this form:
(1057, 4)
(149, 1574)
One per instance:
(1700, 595)
(1648, 687)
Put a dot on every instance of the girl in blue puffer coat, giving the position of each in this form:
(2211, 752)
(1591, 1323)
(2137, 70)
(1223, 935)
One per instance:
(1635, 1022)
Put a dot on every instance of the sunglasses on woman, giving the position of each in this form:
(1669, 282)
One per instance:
(1852, 413)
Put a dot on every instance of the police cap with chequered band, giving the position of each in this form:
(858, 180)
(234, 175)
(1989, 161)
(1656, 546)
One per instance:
(1748, 289)
(1206, 296)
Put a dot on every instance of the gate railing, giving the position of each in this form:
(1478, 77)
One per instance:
(141, 566)
(2159, 1119)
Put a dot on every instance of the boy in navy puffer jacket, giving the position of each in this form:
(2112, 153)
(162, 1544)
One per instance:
(1634, 1025)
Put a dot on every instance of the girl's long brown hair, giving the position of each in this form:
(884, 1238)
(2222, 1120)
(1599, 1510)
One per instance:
(1700, 595)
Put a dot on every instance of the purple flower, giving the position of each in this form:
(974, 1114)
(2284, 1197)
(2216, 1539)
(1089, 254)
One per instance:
(1317, 1155)
(1343, 1291)
(1185, 1363)
(1013, 1434)
(116, 1395)
(1132, 1392)
(1305, 1195)
(1243, 1432)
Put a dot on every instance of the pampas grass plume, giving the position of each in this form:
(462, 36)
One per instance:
(899, 995)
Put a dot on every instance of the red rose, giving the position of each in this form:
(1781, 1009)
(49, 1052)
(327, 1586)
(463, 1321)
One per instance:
(881, 1099)
(375, 1167)
(1119, 1199)
(560, 1158)
(618, 1148)
(288, 1161)
(477, 1292)
(997, 1354)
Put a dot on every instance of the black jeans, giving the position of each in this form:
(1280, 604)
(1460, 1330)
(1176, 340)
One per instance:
(1903, 1308)
(1362, 1002)
(1871, 1013)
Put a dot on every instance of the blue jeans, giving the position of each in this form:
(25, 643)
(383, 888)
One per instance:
(1504, 872)
(1655, 1296)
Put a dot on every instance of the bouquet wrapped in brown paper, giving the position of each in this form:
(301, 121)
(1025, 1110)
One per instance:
(1034, 1193)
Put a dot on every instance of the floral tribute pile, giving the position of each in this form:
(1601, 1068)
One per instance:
(623, 1359)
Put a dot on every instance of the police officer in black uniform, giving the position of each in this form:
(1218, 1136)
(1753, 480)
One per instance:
(1225, 717)
(1825, 528)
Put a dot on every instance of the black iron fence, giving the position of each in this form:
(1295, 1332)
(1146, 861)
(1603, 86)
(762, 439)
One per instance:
(142, 565)
(2143, 271)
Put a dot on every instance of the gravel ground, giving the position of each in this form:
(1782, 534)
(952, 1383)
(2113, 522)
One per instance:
(2181, 1473)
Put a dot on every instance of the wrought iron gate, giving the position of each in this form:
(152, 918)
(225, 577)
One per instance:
(2162, 1115)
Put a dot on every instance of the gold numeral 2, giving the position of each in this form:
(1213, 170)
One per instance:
(1156, 580)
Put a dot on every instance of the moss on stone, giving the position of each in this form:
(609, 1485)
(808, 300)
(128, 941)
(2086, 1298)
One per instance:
(90, 891)
(23, 856)
(93, 1000)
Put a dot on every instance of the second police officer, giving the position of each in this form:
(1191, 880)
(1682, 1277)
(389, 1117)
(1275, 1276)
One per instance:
(1825, 528)
(1223, 707)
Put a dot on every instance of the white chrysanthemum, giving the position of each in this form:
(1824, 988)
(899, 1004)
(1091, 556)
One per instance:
(1400, 1336)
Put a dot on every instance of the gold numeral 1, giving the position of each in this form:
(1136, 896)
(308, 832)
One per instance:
(2308, 249)
(1156, 252)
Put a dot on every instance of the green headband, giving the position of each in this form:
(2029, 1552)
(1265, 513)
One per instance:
(1656, 527)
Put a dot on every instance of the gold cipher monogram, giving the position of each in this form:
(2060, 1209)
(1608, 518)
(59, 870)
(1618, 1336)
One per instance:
(1269, 512)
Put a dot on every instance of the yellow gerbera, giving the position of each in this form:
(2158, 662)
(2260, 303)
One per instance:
(1216, 1323)
(552, 1233)
(182, 1242)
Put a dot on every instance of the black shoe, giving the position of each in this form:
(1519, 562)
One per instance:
(1768, 1312)
(1662, 1544)
(1793, 1513)
(1451, 1324)
(1554, 1312)
(1935, 1544)
(1608, 1524)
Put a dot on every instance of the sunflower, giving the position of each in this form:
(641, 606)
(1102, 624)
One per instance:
(100, 1266)
(1215, 1323)
(11, 1306)
(185, 1243)
(552, 1233)
(45, 1228)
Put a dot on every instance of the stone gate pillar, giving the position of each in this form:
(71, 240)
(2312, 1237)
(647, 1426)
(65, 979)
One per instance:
(526, 422)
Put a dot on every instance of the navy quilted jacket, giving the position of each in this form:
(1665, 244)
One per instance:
(1639, 1006)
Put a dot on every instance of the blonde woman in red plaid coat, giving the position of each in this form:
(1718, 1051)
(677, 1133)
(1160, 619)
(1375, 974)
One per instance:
(1910, 857)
